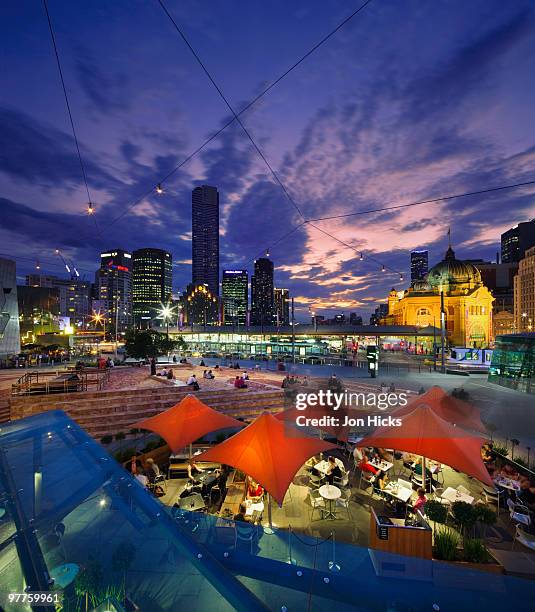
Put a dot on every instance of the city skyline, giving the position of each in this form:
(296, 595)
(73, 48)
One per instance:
(347, 148)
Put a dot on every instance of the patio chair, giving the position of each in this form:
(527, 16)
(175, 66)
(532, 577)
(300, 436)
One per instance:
(519, 513)
(160, 481)
(245, 532)
(368, 478)
(525, 538)
(343, 481)
(344, 502)
(463, 490)
(317, 502)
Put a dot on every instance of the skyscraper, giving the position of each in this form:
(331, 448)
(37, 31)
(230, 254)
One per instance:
(205, 237)
(152, 283)
(517, 240)
(524, 288)
(419, 264)
(235, 296)
(9, 311)
(113, 285)
(282, 306)
(262, 307)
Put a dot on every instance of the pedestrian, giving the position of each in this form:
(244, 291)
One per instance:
(153, 366)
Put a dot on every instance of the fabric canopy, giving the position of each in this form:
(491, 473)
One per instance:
(268, 452)
(186, 422)
(449, 408)
(423, 432)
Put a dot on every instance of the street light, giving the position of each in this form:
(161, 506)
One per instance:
(166, 313)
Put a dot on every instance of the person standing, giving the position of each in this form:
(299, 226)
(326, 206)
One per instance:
(153, 366)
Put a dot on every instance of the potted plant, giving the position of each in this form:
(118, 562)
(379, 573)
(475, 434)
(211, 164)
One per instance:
(446, 542)
(464, 515)
(436, 512)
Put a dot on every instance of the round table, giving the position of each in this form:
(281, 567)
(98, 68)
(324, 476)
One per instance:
(64, 574)
(330, 493)
(507, 483)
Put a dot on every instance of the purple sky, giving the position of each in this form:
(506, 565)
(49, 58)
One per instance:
(408, 101)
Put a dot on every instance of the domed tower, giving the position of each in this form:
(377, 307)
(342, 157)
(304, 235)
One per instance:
(454, 277)
(393, 299)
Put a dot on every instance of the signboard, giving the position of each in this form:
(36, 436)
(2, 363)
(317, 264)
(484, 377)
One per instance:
(382, 531)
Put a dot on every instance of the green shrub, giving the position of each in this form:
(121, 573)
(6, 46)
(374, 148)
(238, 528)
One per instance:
(521, 462)
(500, 450)
(120, 435)
(485, 515)
(475, 551)
(106, 439)
(464, 515)
(435, 511)
(446, 542)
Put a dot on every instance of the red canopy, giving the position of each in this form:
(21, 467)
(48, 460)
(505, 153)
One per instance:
(186, 422)
(268, 453)
(449, 408)
(425, 433)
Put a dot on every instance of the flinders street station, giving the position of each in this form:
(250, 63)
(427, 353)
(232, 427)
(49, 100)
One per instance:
(467, 302)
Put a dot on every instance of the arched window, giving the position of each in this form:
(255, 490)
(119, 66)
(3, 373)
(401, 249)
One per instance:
(423, 317)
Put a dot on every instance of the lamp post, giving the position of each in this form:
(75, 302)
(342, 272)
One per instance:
(442, 333)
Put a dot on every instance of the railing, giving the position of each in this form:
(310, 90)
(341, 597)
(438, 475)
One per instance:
(60, 381)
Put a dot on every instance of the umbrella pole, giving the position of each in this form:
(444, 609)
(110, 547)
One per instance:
(190, 449)
(269, 529)
(424, 479)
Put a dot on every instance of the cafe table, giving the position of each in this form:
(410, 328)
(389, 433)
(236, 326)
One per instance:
(507, 483)
(382, 465)
(398, 491)
(323, 465)
(330, 493)
(64, 574)
(452, 495)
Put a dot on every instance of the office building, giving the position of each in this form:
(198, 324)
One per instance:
(234, 289)
(379, 313)
(113, 284)
(9, 311)
(152, 285)
(517, 240)
(262, 298)
(205, 237)
(524, 288)
(355, 319)
(74, 296)
(39, 311)
(419, 264)
(200, 306)
(499, 280)
(281, 299)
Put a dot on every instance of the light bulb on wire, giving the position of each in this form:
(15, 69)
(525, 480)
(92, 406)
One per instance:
(361, 257)
(37, 265)
(90, 209)
(159, 189)
(267, 253)
(383, 269)
(401, 277)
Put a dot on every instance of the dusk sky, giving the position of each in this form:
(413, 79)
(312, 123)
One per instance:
(408, 101)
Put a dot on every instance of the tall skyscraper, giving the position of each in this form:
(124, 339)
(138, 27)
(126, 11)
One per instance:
(235, 296)
(74, 296)
(205, 237)
(113, 285)
(281, 298)
(152, 284)
(517, 240)
(9, 311)
(419, 264)
(262, 306)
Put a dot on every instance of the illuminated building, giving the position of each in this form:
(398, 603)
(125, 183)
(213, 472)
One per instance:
(152, 283)
(205, 237)
(513, 362)
(38, 311)
(419, 265)
(467, 303)
(525, 293)
(113, 286)
(235, 293)
(262, 305)
(517, 240)
(281, 299)
(74, 296)
(9, 312)
(200, 306)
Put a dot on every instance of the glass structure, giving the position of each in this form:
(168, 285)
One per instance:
(152, 283)
(419, 265)
(74, 521)
(235, 293)
(513, 362)
(205, 237)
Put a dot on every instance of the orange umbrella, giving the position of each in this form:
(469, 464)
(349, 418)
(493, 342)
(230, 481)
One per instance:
(186, 422)
(449, 408)
(425, 433)
(266, 452)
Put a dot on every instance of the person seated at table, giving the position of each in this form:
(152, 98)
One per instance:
(151, 470)
(333, 470)
(428, 474)
(140, 474)
(384, 455)
(239, 383)
(254, 491)
(366, 466)
(132, 466)
(382, 479)
(241, 515)
(357, 454)
(193, 470)
(526, 495)
(419, 504)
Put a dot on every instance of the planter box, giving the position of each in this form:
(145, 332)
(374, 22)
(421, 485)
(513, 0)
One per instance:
(491, 568)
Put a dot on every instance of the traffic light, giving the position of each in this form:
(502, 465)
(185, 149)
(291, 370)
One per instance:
(372, 354)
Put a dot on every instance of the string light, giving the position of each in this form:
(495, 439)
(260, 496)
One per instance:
(90, 209)
(267, 252)
(401, 277)
(37, 265)
(383, 269)
(159, 189)
(361, 257)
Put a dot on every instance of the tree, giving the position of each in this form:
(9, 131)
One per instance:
(143, 344)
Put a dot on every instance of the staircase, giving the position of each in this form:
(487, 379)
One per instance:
(4, 406)
(108, 412)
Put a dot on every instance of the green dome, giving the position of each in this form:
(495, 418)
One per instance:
(451, 274)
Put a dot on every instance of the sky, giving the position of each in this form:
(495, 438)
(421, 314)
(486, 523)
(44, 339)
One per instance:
(407, 101)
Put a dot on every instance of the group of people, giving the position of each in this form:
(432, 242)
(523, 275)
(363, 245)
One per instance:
(255, 492)
(240, 381)
(208, 374)
(290, 381)
(145, 473)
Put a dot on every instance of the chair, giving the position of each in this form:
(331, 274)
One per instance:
(343, 481)
(317, 502)
(344, 502)
(519, 513)
(243, 532)
(463, 490)
(161, 481)
(525, 538)
(368, 477)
